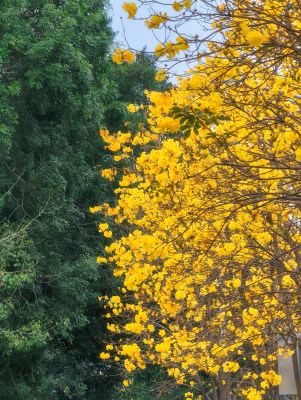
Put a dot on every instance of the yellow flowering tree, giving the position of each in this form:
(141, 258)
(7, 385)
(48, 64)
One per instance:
(209, 207)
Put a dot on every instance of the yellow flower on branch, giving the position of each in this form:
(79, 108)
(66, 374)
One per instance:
(103, 227)
(160, 75)
(186, 3)
(255, 38)
(115, 299)
(230, 366)
(104, 356)
(156, 20)
(101, 260)
(132, 108)
(123, 55)
(130, 8)
(177, 6)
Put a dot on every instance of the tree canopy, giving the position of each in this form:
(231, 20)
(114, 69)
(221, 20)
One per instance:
(57, 86)
(209, 207)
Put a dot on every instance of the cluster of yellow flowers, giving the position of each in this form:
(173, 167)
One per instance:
(211, 264)
(130, 8)
(123, 55)
(156, 20)
(160, 75)
(178, 6)
(172, 49)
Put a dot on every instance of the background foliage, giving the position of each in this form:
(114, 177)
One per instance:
(57, 87)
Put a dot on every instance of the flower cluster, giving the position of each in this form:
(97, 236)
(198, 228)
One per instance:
(123, 55)
(210, 262)
(130, 8)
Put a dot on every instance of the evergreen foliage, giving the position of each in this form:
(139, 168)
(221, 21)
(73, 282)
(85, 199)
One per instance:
(57, 87)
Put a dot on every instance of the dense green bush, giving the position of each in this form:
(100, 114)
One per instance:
(57, 87)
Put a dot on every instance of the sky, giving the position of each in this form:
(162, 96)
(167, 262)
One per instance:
(136, 35)
(133, 34)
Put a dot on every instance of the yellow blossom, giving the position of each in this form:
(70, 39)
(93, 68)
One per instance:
(230, 366)
(132, 108)
(101, 260)
(104, 356)
(115, 299)
(160, 75)
(255, 38)
(177, 6)
(156, 20)
(123, 55)
(107, 234)
(130, 8)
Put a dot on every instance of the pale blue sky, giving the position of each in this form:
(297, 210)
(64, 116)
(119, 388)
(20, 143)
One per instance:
(133, 34)
(137, 34)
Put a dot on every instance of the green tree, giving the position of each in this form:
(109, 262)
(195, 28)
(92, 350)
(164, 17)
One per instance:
(57, 87)
(20, 326)
(53, 80)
